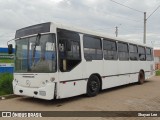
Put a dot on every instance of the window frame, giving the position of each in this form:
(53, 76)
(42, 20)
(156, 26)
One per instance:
(149, 55)
(90, 58)
(66, 35)
(130, 44)
(119, 42)
(139, 46)
(113, 41)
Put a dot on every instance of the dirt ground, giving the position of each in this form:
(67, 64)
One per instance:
(132, 97)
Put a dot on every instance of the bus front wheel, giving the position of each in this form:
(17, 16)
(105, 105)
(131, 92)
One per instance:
(93, 86)
(141, 77)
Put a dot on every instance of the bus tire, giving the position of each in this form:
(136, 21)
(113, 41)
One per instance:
(141, 77)
(93, 86)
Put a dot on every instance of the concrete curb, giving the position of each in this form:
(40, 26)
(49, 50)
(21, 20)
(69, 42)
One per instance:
(8, 96)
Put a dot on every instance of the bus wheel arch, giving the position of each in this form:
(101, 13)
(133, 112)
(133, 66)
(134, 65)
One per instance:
(141, 77)
(94, 85)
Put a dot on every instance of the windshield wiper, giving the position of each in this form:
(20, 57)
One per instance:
(34, 49)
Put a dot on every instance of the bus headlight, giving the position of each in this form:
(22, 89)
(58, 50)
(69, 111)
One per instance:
(15, 80)
(52, 79)
(43, 83)
(47, 81)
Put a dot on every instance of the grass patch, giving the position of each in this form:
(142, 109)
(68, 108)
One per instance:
(158, 73)
(6, 84)
(6, 61)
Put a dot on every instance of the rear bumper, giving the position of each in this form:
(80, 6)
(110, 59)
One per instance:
(46, 92)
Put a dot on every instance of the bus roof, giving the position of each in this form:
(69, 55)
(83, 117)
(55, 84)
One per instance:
(95, 33)
(45, 27)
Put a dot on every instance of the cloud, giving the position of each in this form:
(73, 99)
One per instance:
(96, 15)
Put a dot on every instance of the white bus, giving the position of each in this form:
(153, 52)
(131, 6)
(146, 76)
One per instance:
(53, 61)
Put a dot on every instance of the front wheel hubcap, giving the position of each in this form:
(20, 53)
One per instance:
(93, 86)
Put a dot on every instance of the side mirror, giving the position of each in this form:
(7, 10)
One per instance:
(10, 49)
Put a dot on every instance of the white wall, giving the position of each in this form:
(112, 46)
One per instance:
(157, 59)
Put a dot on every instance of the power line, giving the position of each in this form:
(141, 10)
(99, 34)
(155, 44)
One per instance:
(125, 18)
(127, 6)
(153, 12)
(118, 16)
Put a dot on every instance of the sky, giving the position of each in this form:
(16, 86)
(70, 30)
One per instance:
(96, 15)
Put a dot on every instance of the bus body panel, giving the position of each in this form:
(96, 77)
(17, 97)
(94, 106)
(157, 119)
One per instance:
(70, 82)
(26, 84)
(34, 80)
(123, 71)
(72, 88)
(150, 69)
(46, 92)
(93, 67)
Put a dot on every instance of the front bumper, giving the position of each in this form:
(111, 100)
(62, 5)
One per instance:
(46, 92)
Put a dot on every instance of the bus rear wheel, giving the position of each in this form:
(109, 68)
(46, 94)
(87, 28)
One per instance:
(141, 77)
(93, 86)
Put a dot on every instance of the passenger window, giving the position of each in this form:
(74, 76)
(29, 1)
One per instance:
(149, 56)
(69, 49)
(141, 52)
(110, 49)
(123, 52)
(92, 48)
(133, 52)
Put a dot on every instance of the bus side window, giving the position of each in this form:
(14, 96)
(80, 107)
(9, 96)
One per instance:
(149, 54)
(123, 51)
(133, 52)
(110, 49)
(92, 48)
(69, 49)
(142, 53)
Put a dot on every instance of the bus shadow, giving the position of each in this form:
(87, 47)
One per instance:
(61, 102)
(54, 103)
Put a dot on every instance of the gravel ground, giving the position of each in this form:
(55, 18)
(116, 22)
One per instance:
(132, 97)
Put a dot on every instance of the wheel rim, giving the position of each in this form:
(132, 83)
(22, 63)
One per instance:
(93, 86)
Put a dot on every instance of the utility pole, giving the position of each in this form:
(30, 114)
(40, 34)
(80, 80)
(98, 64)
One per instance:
(145, 20)
(116, 32)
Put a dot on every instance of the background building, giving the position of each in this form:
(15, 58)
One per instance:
(157, 58)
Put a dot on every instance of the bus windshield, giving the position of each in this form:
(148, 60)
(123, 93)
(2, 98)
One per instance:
(36, 54)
